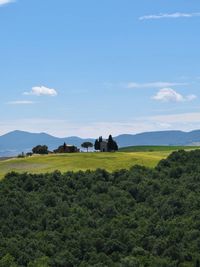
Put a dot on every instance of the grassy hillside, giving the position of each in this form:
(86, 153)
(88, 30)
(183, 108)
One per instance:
(81, 161)
(156, 148)
(147, 156)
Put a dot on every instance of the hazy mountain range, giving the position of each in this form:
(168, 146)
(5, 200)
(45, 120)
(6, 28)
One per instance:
(16, 142)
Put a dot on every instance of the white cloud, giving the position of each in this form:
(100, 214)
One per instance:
(169, 16)
(4, 2)
(133, 85)
(42, 91)
(20, 102)
(168, 95)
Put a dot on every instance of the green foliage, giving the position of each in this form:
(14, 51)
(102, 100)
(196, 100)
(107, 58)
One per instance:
(7, 261)
(197, 263)
(97, 144)
(22, 155)
(87, 145)
(41, 262)
(112, 145)
(40, 150)
(139, 217)
(66, 149)
(130, 262)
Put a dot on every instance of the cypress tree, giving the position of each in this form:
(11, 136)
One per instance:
(112, 145)
(64, 146)
(97, 144)
(115, 146)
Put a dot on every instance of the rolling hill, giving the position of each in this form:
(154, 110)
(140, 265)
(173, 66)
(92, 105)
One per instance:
(147, 156)
(81, 161)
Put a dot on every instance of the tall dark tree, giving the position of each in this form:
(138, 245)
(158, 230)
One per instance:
(97, 145)
(197, 263)
(115, 146)
(112, 145)
(64, 146)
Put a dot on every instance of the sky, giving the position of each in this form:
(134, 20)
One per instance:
(90, 68)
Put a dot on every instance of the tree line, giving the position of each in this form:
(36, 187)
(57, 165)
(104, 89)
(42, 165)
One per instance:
(44, 150)
(111, 144)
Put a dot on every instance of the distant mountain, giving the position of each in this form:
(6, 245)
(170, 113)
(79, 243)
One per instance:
(159, 138)
(15, 142)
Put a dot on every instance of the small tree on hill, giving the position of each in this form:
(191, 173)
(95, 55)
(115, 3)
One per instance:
(87, 145)
(40, 150)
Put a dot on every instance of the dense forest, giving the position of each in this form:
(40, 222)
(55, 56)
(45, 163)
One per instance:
(130, 218)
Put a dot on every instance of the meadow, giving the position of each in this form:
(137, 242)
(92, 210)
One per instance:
(145, 156)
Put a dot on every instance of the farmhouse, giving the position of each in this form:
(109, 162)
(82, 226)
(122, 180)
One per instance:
(106, 145)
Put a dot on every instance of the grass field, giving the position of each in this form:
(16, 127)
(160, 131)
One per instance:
(147, 156)
(80, 161)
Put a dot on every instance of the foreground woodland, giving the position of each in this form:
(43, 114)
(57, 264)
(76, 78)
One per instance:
(129, 218)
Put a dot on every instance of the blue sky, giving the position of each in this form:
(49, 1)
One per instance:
(91, 68)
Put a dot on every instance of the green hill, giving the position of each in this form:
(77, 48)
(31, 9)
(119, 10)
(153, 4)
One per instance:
(81, 161)
(156, 148)
(147, 156)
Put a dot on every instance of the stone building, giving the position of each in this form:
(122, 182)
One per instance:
(104, 146)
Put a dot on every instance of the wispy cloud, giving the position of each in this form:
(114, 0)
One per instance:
(133, 85)
(170, 95)
(186, 118)
(63, 128)
(42, 91)
(20, 102)
(176, 15)
(4, 2)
